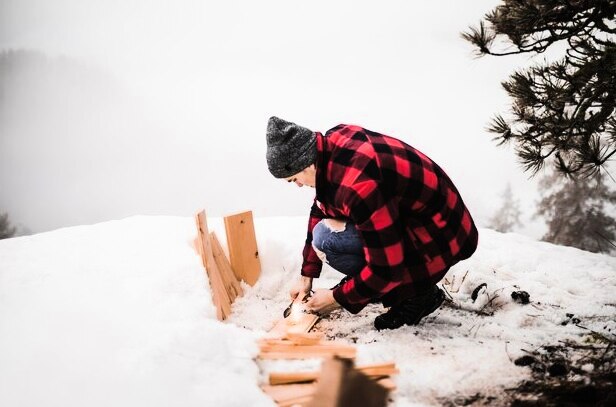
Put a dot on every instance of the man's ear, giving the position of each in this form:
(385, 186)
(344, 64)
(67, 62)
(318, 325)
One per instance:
(307, 169)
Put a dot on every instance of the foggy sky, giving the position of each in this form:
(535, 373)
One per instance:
(116, 108)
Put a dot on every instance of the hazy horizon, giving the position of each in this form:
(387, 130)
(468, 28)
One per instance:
(124, 108)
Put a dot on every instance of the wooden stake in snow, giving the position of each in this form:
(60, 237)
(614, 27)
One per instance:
(232, 285)
(242, 243)
(223, 283)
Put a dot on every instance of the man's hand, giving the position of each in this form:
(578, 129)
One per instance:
(322, 302)
(301, 288)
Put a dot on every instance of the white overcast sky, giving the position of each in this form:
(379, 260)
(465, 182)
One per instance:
(117, 107)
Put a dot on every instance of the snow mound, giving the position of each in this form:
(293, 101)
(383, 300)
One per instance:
(119, 313)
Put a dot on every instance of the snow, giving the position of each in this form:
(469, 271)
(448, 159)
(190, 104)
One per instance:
(119, 313)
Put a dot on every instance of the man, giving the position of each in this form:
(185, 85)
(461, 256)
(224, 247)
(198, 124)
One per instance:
(384, 214)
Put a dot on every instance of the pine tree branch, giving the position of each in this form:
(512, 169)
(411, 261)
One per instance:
(604, 27)
(565, 108)
(609, 175)
(605, 238)
(607, 157)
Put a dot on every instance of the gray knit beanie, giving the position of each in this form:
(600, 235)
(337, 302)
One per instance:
(290, 148)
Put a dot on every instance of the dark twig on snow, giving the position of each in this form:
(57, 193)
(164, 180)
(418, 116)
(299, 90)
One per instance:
(491, 300)
(578, 346)
(453, 281)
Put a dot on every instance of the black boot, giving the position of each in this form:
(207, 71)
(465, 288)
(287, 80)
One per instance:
(411, 311)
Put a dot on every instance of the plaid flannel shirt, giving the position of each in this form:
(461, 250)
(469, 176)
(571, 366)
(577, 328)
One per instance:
(411, 217)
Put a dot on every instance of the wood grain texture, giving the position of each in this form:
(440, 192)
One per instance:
(242, 244)
(289, 350)
(308, 338)
(340, 385)
(232, 285)
(220, 297)
(337, 384)
(290, 394)
(374, 371)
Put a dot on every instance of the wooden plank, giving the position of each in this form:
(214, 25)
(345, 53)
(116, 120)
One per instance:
(305, 338)
(278, 378)
(219, 296)
(242, 243)
(219, 293)
(329, 387)
(287, 395)
(200, 247)
(375, 371)
(316, 354)
(290, 351)
(371, 366)
(290, 394)
(379, 371)
(229, 279)
(340, 385)
(387, 383)
(337, 384)
(283, 346)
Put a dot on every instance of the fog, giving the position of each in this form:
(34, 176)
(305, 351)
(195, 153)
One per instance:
(116, 108)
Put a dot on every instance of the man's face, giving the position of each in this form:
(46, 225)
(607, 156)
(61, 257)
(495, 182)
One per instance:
(305, 177)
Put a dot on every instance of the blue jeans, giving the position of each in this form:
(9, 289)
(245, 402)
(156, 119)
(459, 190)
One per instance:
(341, 248)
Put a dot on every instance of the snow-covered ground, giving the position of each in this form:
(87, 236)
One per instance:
(119, 313)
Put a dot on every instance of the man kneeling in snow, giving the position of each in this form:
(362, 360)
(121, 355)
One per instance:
(384, 214)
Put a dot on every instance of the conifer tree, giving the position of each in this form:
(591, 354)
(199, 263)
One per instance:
(508, 215)
(575, 211)
(6, 230)
(562, 111)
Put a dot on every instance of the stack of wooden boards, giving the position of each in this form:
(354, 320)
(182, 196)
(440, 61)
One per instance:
(224, 275)
(338, 384)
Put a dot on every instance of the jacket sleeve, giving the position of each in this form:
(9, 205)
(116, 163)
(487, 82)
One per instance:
(312, 264)
(377, 221)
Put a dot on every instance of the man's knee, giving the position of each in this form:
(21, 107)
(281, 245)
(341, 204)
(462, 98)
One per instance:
(319, 236)
(323, 230)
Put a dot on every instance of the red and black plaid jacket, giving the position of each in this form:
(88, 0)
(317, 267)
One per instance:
(411, 217)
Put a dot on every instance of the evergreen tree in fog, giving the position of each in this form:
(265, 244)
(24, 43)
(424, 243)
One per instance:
(575, 212)
(6, 230)
(508, 216)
